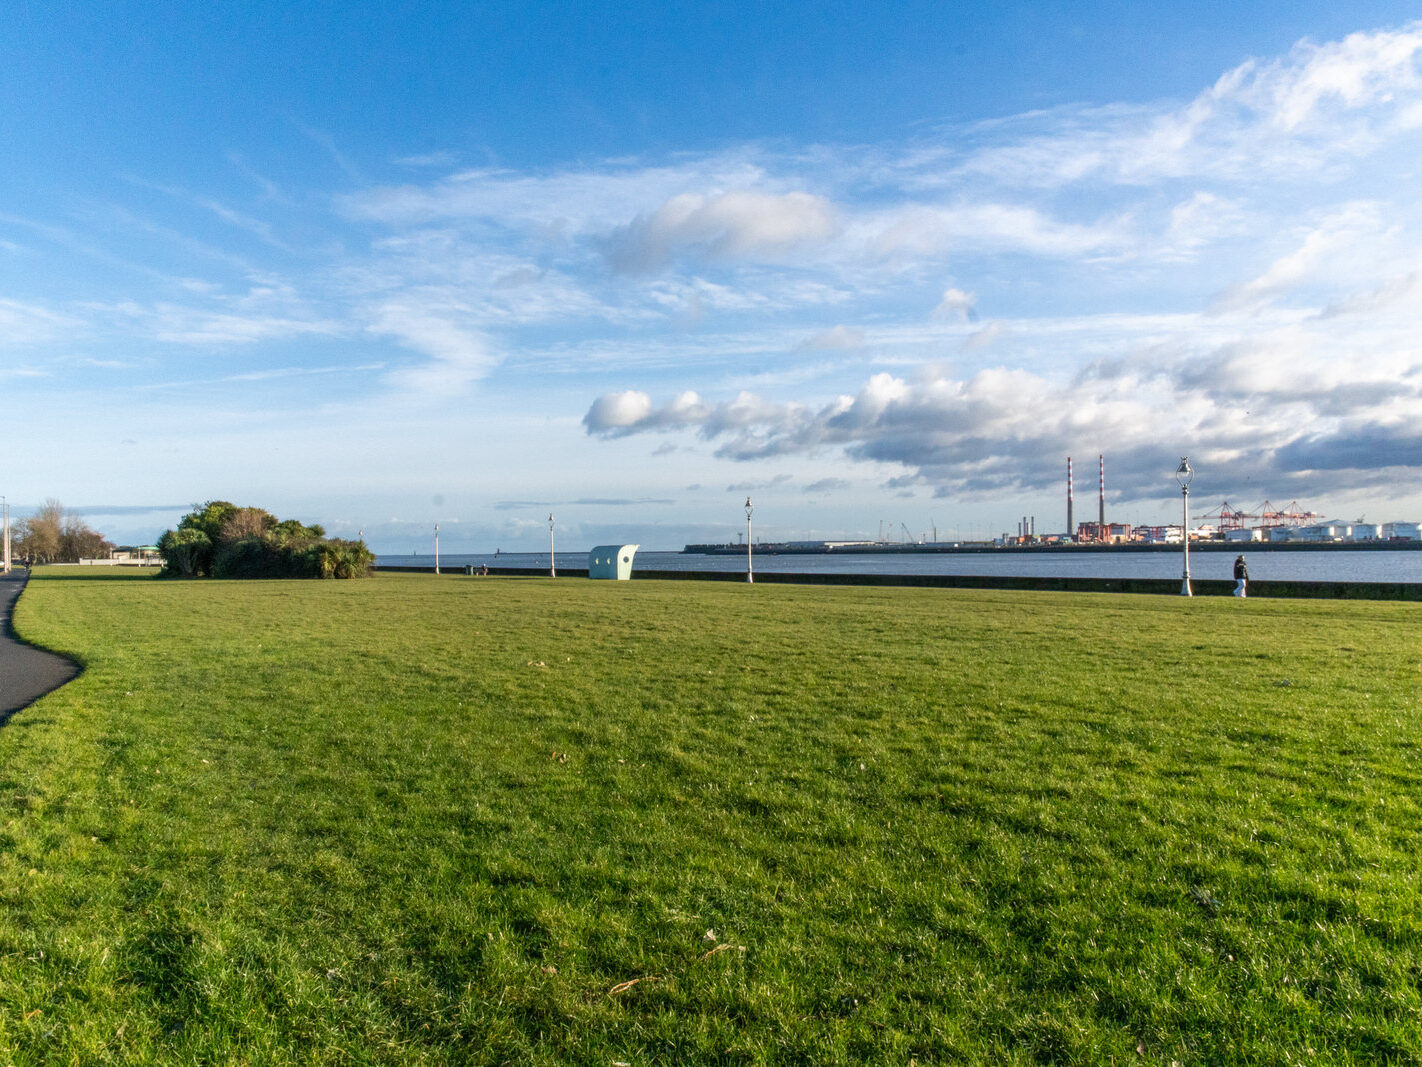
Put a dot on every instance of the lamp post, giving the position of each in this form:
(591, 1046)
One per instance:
(750, 565)
(436, 548)
(1183, 475)
(5, 516)
(552, 559)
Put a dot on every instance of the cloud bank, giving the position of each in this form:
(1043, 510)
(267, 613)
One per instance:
(1260, 305)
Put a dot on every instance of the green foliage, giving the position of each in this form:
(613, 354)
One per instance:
(186, 552)
(337, 558)
(447, 820)
(257, 557)
(208, 519)
(221, 540)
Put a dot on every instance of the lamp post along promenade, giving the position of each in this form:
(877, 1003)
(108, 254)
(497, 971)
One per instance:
(750, 568)
(1183, 475)
(436, 548)
(552, 559)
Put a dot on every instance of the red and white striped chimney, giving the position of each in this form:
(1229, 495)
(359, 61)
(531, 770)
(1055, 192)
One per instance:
(1102, 518)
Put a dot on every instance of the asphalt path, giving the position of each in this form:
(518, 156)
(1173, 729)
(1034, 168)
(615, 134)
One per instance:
(26, 673)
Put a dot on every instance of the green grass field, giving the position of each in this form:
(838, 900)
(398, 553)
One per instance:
(419, 820)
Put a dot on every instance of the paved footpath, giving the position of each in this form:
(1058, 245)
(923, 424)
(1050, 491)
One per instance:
(26, 673)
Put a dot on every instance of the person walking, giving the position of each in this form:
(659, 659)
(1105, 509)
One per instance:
(1241, 577)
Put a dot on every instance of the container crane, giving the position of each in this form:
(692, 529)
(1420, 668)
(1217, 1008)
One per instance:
(1228, 517)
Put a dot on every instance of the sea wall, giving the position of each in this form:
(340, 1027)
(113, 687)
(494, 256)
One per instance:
(1158, 586)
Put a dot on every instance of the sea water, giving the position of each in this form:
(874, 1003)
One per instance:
(1316, 565)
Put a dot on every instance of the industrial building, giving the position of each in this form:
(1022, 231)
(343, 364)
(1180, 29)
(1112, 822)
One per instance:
(1266, 523)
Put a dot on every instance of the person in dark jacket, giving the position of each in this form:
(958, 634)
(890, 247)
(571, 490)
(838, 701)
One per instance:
(1241, 577)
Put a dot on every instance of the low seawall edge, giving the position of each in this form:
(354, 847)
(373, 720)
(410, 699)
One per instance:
(1264, 589)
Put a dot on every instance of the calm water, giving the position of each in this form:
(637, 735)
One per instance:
(1342, 564)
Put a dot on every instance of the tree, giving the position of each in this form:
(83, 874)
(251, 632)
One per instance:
(52, 535)
(208, 518)
(42, 532)
(77, 541)
(221, 540)
(246, 522)
(186, 552)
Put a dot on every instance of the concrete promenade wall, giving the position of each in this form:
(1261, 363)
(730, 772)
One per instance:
(1158, 586)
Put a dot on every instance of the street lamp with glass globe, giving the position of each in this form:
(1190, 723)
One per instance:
(552, 556)
(1183, 475)
(750, 569)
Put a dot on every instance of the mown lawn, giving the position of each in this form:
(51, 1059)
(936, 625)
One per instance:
(525, 821)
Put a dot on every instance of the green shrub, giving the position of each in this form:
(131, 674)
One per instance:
(255, 557)
(337, 558)
(221, 540)
(187, 553)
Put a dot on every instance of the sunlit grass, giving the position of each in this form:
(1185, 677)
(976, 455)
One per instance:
(462, 820)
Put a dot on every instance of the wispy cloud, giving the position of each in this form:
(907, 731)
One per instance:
(457, 354)
(739, 224)
(1320, 106)
(24, 324)
(270, 375)
(835, 339)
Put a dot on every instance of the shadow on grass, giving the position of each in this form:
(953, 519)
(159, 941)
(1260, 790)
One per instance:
(27, 672)
(95, 574)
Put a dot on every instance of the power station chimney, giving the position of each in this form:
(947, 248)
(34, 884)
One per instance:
(1101, 520)
(1071, 529)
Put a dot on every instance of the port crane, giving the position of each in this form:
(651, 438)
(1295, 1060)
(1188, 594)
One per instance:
(1228, 517)
(1292, 514)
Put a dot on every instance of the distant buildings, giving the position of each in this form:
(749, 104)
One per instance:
(1345, 532)
(1115, 533)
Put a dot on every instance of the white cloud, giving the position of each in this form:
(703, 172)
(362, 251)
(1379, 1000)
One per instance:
(1331, 247)
(1364, 69)
(190, 326)
(1399, 292)
(986, 337)
(1200, 221)
(926, 231)
(22, 323)
(1251, 408)
(458, 355)
(957, 304)
(734, 225)
(1323, 104)
(555, 205)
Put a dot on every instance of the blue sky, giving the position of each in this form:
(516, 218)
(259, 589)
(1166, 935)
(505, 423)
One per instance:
(386, 265)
